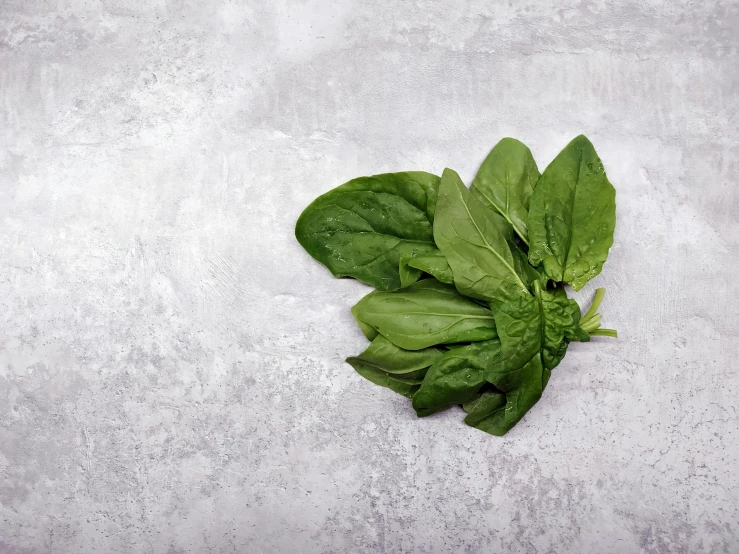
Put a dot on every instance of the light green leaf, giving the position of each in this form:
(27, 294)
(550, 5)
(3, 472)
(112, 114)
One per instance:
(477, 251)
(425, 314)
(434, 263)
(505, 182)
(572, 216)
(368, 331)
(384, 355)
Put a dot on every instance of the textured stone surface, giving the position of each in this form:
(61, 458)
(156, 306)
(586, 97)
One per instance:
(171, 374)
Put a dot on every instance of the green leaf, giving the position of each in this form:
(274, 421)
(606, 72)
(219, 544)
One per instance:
(561, 317)
(477, 251)
(533, 378)
(505, 182)
(487, 412)
(534, 333)
(434, 263)
(406, 387)
(368, 331)
(572, 216)
(456, 378)
(425, 314)
(363, 228)
(527, 273)
(408, 274)
(384, 355)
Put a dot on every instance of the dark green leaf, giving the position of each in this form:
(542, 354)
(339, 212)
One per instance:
(505, 182)
(363, 228)
(572, 216)
(456, 378)
(534, 332)
(532, 378)
(477, 252)
(425, 314)
(487, 412)
(561, 317)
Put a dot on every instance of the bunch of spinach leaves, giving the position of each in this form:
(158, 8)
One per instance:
(470, 307)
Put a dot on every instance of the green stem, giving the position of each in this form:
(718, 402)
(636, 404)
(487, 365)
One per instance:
(604, 333)
(592, 324)
(599, 294)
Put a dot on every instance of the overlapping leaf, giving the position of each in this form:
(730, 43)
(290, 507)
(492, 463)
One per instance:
(477, 251)
(425, 314)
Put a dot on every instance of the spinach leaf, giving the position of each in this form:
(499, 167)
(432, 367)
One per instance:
(384, 355)
(406, 387)
(367, 329)
(434, 263)
(472, 243)
(534, 333)
(531, 380)
(498, 255)
(505, 182)
(456, 377)
(561, 325)
(572, 216)
(425, 314)
(534, 326)
(527, 273)
(363, 228)
(487, 412)
(408, 274)
(389, 366)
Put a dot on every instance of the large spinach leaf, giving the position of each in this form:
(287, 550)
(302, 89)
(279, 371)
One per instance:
(505, 182)
(572, 216)
(456, 377)
(425, 314)
(365, 227)
(477, 251)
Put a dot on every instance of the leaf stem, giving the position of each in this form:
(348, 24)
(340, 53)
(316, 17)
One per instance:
(604, 333)
(599, 294)
(590, 322)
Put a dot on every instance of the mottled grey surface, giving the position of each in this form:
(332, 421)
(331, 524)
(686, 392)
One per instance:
(171, 374)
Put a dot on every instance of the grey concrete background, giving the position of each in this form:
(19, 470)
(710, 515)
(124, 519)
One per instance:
(171, 374)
